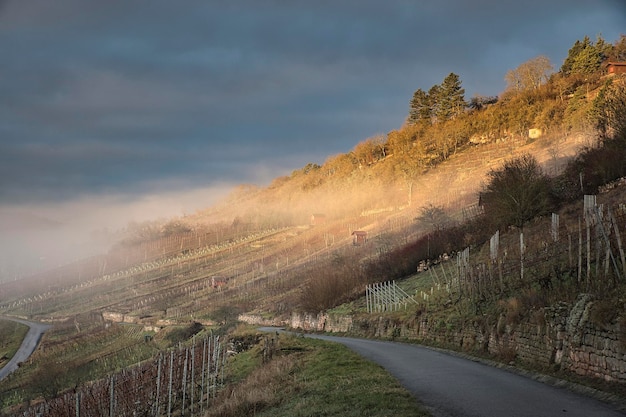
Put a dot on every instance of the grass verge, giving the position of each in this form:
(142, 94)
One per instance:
(11, 336)
(307, 377)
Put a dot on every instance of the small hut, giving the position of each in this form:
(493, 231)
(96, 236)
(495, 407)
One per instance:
(218, 282)
(317, 219)
(614, 68)
(359, 237)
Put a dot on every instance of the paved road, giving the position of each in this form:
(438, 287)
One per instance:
(451, 386)
(29, 344)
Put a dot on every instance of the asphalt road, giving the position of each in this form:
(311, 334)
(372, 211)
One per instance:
(29, 344)
(452, 386)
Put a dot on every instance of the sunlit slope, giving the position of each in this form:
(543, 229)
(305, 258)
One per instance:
(252, 252)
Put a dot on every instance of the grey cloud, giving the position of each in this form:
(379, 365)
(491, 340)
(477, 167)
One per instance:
(110, 95)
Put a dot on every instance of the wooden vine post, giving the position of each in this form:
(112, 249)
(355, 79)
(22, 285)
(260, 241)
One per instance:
(619, 241)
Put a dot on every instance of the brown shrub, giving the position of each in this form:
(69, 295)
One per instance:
(513, 310)
(603, 312)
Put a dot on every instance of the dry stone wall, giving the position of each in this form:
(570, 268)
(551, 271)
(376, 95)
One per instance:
(557, 336)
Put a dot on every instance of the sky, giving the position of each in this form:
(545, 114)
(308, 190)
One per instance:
(122, 110)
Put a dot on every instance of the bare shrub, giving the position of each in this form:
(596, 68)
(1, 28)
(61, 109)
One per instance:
(514, 310)
(517, 192)
(331, 285)
(604, 312)
(507, 353)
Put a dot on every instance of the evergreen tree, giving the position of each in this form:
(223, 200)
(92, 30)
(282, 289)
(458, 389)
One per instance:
(603, 48)
(434, 101)
(573, 52)
(451, 98)
(420, 107)
(618, 51)
(587, 61)
(586, 57)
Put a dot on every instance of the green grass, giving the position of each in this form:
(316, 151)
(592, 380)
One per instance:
(11, 336)
(338, 382)
(309, 377)
(67, 358)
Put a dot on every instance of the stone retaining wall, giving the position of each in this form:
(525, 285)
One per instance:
(558, 336)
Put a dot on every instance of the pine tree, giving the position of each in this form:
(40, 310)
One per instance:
(573, 52)
(442, 102)
(587, 61)
(434, 102)
(452, 98)
(618, 51)
(586, 57)
(420, 107)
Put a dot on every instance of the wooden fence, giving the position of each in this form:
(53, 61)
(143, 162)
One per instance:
(386, 296)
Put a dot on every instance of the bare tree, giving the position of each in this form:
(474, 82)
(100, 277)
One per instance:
(530, 75)
(434, 218)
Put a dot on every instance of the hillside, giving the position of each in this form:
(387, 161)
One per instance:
(258, 249)
(256, 259)
(290, 247)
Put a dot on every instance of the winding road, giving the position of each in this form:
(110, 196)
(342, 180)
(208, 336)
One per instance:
(29, 344)
(452, 386)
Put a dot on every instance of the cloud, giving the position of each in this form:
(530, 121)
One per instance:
(35, 236)
(101, 98)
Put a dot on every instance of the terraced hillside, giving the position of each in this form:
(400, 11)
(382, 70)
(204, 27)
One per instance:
(196, 273)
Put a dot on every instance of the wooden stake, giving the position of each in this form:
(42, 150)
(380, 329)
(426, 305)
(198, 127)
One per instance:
(158, 387)
(169, 402)
(619, 241)
(184, 382)
(112, 398)
(580, 251)
(569, 249)
(521, 250)
(193, 368)
(588, 249)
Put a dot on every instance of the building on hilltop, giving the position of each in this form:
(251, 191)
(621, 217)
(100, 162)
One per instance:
(614, 68)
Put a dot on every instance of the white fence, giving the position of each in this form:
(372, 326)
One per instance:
(386, 296)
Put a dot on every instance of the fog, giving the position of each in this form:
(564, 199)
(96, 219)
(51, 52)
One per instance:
(35, 237)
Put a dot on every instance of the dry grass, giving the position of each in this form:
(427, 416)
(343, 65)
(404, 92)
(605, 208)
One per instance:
(264, 388)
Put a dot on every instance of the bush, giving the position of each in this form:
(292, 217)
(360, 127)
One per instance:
(516, 193)
(331, 285)
(184, 333)
(592, 168)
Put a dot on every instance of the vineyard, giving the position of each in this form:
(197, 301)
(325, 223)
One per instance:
(120, 345)
(182, 380)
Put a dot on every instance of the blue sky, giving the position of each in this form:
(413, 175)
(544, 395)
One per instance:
(155, 108)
